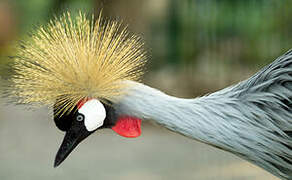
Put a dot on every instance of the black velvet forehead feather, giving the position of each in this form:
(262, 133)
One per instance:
(64, 122)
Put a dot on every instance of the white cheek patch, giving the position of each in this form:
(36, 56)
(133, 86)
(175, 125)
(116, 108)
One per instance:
(94, 113)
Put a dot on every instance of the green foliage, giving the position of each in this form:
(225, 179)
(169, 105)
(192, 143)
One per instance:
(250, 32)
(247, 32)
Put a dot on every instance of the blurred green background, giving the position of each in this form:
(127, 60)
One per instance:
(205, 43)
(195, 47)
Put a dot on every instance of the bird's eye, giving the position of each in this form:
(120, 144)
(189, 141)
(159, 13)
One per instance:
(80, 117)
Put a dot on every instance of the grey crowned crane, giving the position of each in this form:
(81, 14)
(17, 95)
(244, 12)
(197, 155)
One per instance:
(87, 71)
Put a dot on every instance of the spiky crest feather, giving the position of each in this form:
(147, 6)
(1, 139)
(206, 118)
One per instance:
(75, 58)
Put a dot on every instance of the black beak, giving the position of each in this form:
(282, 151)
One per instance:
(76, 133)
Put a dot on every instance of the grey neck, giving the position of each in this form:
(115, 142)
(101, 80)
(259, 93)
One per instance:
(190, 117)
(226, 119)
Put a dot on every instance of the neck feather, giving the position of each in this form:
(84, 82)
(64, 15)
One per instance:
(204, 118)
(220, 119)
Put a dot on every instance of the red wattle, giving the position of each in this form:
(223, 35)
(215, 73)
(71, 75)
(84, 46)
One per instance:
(128, 126)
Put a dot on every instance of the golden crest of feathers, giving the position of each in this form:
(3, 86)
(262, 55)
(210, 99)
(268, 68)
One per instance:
(75, 58)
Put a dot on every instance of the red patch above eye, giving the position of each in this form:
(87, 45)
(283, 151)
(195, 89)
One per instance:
(82, 102)
(128, 126)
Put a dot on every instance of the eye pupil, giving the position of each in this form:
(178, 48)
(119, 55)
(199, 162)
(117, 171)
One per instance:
(80, 117)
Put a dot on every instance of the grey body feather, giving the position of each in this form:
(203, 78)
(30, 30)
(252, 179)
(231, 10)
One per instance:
(252, 119)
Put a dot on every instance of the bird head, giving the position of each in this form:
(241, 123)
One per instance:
(78, 66)
(88, 116)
